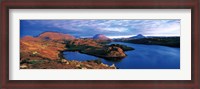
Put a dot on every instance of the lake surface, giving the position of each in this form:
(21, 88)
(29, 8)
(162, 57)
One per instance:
(143, 57)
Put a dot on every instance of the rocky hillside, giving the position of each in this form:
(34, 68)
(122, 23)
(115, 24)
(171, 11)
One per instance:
(36, 48)
(45, 52)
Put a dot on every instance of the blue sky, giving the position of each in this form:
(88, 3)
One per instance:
(110, 28)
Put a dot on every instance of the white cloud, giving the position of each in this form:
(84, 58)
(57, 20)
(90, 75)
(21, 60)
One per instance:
(115, 29)
(108, 27)
(164, 29)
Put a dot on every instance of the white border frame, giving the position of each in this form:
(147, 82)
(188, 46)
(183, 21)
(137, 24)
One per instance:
(184, 73)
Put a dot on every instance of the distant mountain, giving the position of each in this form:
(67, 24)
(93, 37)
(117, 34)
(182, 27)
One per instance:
(101, 37)
(139, 36)
(56, 36)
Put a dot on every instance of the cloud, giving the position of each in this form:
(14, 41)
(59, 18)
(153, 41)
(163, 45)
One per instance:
(163, 28)
(107, 27)
(114, 29)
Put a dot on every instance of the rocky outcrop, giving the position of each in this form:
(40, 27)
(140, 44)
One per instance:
(55, 36)
(115, 52)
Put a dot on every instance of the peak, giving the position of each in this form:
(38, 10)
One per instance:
(56, 36)
(139, 36)
(101, 37)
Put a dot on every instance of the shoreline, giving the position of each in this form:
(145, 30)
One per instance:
(147, 44)
(106, 58)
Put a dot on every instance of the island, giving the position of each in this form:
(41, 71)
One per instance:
(97, 48)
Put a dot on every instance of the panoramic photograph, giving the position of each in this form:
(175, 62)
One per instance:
(100, 44)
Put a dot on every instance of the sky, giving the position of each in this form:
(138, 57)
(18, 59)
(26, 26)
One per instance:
(110, 28)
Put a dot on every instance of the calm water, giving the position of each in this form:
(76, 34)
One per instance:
(143, 57)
